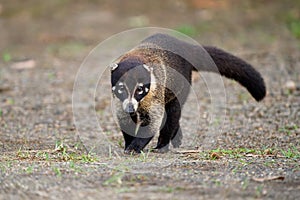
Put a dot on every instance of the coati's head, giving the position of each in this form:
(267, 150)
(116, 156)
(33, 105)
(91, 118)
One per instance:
(131, 81)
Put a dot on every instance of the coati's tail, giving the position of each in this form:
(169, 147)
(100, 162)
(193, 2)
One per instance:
(235, 68)
(228, 65)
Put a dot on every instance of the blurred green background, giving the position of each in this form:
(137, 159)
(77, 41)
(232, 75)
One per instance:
(66, 27)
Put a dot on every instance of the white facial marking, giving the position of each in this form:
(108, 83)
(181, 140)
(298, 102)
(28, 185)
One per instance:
(147, 67)
(153, 82)
(146, 89)
(135, 103)
(125, 102)
(138, 124)
(140, 92)
(141, 84)
(120, 91)
(113, 66)
(113, 88)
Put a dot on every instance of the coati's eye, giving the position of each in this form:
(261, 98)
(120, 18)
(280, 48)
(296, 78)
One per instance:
(140, 89)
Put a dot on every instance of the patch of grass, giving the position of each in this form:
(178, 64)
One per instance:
(1, 112)
(288, 129)
(138, 21)
(291, 152)
(29, 169)
(235, 153)
(269, 163)
(167, 189)
(117, 175)
(115, 179)
(245, 184)
(170, 189)
(259, 191)
(243, 162)
(120, 143)
(144, 156)
(23, 154)
(88, 158)
(51, 76)
(216, 121)
(187, 29)
(6, 57)
(4, 166)
(10, 101)
(74, 167)
(217, 182)
(66, 49)
(244, 97)
(57, 171)
(293, 24)
(61, 152)
(43, 155)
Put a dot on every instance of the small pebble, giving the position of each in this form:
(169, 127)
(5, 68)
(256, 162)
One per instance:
(290, 85)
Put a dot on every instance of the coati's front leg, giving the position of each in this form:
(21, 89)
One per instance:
(128, 139)
(134, 144)
(137, 145)
(171, 130)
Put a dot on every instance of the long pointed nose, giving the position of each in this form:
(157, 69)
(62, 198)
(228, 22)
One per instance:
(130, 106)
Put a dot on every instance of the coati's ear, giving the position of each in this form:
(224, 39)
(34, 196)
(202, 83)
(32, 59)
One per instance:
(149, 69)
(113, 66)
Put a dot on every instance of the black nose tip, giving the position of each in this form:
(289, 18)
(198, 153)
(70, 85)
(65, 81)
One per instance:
(129, 108)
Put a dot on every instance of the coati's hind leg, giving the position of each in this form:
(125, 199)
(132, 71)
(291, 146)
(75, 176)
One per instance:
(176, 138)
(171, 129)
(134, 144)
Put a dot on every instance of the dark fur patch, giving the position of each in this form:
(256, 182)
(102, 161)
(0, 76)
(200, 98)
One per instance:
(131, 73)
(124, 66)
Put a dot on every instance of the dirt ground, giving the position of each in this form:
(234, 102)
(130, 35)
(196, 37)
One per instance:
(252, 152)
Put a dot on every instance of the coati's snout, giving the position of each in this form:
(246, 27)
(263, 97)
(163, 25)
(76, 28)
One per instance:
(131, 80)
(130, 106)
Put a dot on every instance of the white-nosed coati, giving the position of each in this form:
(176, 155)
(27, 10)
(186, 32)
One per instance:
(151, 82)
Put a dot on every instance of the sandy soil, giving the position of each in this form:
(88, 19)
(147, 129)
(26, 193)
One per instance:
(255, 154)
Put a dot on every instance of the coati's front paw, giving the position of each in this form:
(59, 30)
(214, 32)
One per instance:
(163, 149)
(136, 145)
(131, 149)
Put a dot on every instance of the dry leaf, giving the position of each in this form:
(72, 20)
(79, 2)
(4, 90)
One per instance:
(215, 155)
